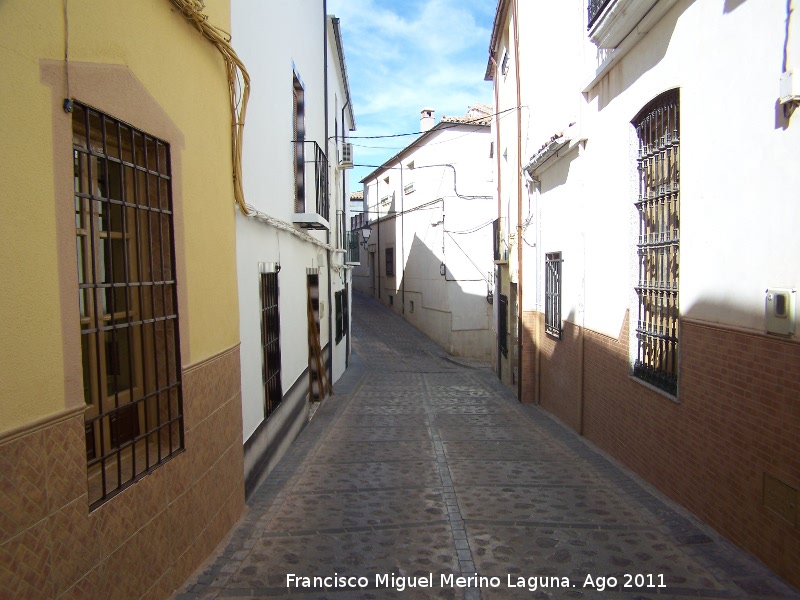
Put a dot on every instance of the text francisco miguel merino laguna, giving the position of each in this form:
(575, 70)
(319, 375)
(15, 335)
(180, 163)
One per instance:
(449, 580)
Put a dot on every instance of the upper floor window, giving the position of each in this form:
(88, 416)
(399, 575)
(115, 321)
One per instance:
(127, 300)
(299, 133)
(595, 7)
(657, 128)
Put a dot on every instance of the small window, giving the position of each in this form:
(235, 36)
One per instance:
(412, 306)
(391, 300)
(390, 262)
(552, 294)
(504, 66)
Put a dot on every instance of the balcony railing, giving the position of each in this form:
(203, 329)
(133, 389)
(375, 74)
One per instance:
(595, 8)
(352, 257)
(311, 186)
(359, 220)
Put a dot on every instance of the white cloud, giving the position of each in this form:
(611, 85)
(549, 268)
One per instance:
(404, 56)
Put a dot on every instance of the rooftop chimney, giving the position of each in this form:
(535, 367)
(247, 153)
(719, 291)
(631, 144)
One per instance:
(426, 119)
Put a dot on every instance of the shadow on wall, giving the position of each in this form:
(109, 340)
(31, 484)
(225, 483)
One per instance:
(637, 64)
(732, 5)
(454, 313)
(726, 448)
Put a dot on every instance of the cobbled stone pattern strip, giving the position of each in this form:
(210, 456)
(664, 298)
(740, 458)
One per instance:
(421, 464)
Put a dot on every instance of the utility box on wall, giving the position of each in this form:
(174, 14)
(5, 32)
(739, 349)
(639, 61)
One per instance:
(779, 311)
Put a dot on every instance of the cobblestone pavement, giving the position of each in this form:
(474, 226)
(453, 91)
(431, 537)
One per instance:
(423, 467)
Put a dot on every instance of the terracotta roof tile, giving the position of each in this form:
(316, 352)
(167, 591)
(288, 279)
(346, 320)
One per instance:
(477, 114)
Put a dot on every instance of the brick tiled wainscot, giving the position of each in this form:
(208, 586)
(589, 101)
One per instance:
(736, 418)
(147, 540)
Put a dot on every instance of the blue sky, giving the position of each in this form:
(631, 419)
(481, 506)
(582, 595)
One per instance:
(405, 55)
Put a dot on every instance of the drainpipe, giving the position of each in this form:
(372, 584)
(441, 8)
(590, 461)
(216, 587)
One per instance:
(378, 248)
(519, 203)
(497, 268)
(402, 242)
(327, 175)
(347, 273)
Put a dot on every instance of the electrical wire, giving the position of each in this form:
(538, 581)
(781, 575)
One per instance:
(473, 230)
(468, 258)
(238, 84)
(66, 49)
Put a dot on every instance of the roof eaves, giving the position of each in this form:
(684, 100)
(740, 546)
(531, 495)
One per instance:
(337, 33)
(498, 19)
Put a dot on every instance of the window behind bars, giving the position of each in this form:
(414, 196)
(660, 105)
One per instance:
(657, 128)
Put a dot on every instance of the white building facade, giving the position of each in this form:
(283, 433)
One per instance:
(650, 195)
(429, 211)
(291, 255)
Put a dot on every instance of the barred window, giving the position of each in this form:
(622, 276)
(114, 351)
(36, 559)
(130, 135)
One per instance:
(502, 324)
(657, 127)
(127, 300)
(390, 262)
(340, 299)
(552, 294)
(270, 343)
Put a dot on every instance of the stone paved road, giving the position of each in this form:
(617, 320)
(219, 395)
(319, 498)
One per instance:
(423, 467)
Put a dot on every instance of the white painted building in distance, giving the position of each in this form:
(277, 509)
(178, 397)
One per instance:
(429, 211)
(291, 246)
(648, 185)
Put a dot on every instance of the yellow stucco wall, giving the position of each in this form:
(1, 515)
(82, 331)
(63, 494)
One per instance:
(185, 77)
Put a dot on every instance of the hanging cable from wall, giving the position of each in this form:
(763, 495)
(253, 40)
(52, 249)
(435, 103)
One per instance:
(68, 98)
(238, 82)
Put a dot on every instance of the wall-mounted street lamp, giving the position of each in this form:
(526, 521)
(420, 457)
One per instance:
(366, 231)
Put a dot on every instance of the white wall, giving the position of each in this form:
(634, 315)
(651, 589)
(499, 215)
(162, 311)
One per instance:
(738, 162)
(434, 226)
(274, 40)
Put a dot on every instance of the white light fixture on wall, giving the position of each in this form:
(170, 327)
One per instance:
(365, 233)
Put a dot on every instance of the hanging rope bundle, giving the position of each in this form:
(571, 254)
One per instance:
(238, 82)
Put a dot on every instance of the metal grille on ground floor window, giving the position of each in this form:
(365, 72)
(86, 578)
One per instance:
(342, 316)
(502, 324)
(271, 343)
(657, 128)
(552, 294)
(389, 252)
(127, 300)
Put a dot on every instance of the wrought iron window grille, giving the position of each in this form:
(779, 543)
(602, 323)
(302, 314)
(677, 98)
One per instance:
(128, 301)
(658, 245)
(271, 343)
(552, 294)
(595, 7)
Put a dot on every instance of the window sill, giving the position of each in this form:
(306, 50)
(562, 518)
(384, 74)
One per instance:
(625, 33)
(310, 221)
(655, 389)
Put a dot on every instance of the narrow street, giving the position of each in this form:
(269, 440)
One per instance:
(421, 470)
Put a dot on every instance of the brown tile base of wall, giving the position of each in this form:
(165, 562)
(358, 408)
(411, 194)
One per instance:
(144, 542)
(734, 425)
